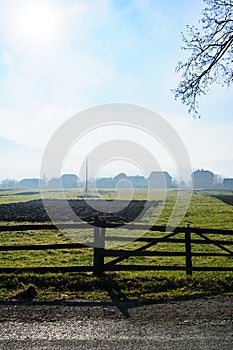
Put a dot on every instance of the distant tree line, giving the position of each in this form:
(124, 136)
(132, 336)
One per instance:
(9, 183)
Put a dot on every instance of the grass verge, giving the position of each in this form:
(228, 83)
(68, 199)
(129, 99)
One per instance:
(113, 286)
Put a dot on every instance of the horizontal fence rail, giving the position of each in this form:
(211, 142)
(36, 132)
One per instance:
(100, 252)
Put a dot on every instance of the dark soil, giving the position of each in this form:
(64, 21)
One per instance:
(34, 211)
(226, 198)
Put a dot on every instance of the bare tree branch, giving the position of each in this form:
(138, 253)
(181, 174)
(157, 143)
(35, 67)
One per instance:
(211, 54)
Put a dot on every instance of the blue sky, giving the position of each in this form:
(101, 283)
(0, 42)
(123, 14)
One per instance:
(58, 57)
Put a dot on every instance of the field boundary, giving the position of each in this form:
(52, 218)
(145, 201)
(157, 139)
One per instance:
(100, 252)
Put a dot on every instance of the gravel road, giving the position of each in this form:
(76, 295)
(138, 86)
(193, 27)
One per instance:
(197, 324)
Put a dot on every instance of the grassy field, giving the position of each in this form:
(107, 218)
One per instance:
(204, 211)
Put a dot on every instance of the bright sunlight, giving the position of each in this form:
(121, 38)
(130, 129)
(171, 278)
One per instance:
(37, 23)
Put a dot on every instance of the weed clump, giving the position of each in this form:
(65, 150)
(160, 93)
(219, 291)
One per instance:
(28, 292)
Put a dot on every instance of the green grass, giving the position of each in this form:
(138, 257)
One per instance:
(61, 257)
(116, 287)
(26, 195)
(204, 211)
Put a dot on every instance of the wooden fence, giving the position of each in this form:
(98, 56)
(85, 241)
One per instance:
(100, 252)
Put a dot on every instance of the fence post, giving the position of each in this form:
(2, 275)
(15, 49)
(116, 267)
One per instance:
(102, 237)
(188, 251)
(99, 242)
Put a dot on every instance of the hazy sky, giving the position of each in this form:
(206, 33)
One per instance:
(59, 57)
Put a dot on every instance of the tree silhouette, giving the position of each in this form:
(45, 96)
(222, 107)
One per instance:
(211, 54)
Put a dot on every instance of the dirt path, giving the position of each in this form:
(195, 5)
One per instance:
(169, 312)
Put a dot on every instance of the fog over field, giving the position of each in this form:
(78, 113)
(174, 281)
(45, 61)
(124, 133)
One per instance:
(94, 53)
(20, 161)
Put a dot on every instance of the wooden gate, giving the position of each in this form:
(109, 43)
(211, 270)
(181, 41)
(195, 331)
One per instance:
(189, 238)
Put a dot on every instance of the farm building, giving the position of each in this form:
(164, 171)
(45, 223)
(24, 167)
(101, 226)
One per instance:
(137, 181)
(159, 179)
(69, 181)
(203, 179)
(120, 180)
(54, 183)
(228, 184)
(30, 183)
(104, 182)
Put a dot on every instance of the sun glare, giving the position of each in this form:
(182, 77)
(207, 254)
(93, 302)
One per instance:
(37, 23)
